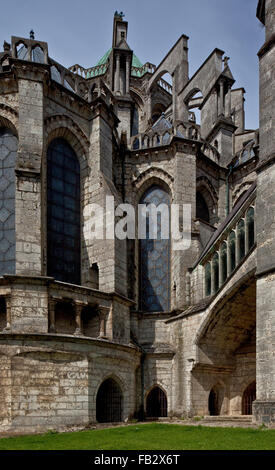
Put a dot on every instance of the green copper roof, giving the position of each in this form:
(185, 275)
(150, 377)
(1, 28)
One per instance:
(104, 59)
(136, 62)
(103, 63)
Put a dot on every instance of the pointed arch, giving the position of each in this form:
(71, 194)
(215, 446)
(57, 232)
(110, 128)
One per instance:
(154, 254)
(249, 395)
(215, 399)
(109, 402)
(63, 212)
(156, 403)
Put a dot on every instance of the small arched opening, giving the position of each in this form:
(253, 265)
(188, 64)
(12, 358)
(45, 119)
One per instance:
(215, 401)
(249, 396)
(202, 211)
(109, 402)
(194, 103)
(156, 404)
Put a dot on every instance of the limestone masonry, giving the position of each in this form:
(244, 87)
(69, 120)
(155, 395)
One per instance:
(108, 330)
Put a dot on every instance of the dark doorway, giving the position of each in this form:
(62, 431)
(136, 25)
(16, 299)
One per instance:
(109, 402)
(156, 404)
(249, 396)
(213, 402)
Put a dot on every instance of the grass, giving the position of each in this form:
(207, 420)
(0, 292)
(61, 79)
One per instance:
(153, 436)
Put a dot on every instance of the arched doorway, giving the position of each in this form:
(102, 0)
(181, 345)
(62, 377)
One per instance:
(109, 402)
(249, 396)
(156, 404)
(214, 401)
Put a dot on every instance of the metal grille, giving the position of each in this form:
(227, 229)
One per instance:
(248, 397)
(109, 402)
(156, 404)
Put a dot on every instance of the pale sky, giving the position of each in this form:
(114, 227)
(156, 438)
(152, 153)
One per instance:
(81, 32)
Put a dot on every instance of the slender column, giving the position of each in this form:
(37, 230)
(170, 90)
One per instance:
(174, 104)
(246, 233)
(127, 85)
(117, 74)
(220, 266)
(237, 245)
(78, 309)
(8, 313)
(103, 315)
(229, 101)
(52, 304)
(212, 278)
(229, 267)
(221, 111)
(149, 107)
(215, 93)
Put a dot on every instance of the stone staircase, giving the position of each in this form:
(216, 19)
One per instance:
(238, 421)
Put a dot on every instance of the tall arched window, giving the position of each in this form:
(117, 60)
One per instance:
(135, 121)
(202, 211)
(224, 262)
(155, 259)
(216, 272)
(250, 228)
(8, 151)
(232, 251)
(207, 273)
(63, 212)
(241, 240)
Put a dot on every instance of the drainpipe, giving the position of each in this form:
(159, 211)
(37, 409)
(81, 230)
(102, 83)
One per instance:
(227, 189)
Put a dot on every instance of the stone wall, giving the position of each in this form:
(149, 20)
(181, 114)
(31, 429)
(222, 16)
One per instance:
(55, 383)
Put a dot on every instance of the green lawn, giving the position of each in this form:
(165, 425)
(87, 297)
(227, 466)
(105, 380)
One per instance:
(153, 436)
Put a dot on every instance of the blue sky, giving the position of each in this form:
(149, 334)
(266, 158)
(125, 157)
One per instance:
(81, 32)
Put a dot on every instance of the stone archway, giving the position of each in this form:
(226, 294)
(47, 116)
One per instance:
(249, 396)
(156, 403)
(109, 402)
(215, 400)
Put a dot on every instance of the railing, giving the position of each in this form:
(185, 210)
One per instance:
(155, 139)
(90, 72)
(233, 245)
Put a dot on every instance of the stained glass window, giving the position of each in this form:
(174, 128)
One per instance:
(63, 212)
(155, 259)
(135, 122)
(8, 152)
